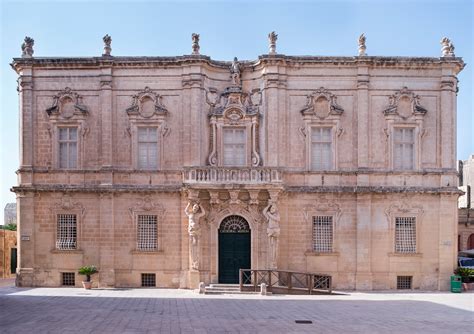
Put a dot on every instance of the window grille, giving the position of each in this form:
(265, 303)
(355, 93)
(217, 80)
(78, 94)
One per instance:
(68, 279)
(405, 235)
(321, 148)
(404, 282)
(322, 282)
(322, 234)
(147, 233)
(67, 232)
(148, 280)
(234, 146)
(148, 148)
(403, 148)
(67, 147)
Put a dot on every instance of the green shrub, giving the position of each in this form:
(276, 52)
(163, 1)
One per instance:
(88, 271)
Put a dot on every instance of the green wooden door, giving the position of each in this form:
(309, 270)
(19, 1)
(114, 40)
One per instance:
(13, 261)
(234, 248)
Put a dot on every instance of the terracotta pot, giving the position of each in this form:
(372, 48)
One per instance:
(87, 285)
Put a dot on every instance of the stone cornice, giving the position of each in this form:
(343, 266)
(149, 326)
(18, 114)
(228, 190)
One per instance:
(90, 62)
(97, 188)
(374, 190)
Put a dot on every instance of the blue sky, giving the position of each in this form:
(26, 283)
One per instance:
(228, 29)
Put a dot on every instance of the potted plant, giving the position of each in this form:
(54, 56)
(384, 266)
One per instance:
(88, 271)
(467, 277)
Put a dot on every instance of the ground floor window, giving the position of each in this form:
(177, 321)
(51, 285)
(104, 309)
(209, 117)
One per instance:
(322, 234)
(68, 279)
(404, 282)
(148, 280)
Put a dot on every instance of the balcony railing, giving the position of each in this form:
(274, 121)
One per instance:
(241, 175)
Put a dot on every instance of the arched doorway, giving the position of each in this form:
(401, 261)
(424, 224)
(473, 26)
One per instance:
(470, 242)
(234, 248)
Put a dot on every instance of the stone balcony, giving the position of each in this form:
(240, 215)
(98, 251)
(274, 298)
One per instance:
(232, 175)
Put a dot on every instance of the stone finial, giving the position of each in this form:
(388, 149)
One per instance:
(362, 46)
(447, 47)
(272, 39)
(107, 45)
(195, 38)
(27, 47)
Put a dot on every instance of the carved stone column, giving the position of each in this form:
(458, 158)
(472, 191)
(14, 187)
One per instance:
(272, 214)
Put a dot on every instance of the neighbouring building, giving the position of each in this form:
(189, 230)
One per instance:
(8, 253)
(9, 214)
(466, 204)
(170, 171)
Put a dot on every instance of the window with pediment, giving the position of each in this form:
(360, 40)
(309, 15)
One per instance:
(321, 128)
(67, 128)
(404, 130)
(148, 128)
(234, 119)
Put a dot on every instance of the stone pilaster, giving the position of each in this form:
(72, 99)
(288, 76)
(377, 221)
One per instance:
(106, 118)
(447, 238)
(448, 118)
(363, 242)
(362, 115)
(25, 239)
(27, 120)
(195, 146)
(106, 241)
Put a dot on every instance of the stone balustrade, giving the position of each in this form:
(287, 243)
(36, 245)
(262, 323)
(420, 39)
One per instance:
(224, 175)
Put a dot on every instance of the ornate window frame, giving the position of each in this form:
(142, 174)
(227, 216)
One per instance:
(395, 118)
(234, 109)
(404, 209)
(146, 206)
(66, 206)
(314, 117)
(67, 111)
(143, 117)
(322, 209)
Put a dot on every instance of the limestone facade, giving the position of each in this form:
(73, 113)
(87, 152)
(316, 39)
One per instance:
(319, 138)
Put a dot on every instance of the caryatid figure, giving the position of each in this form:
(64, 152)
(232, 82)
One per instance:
(194, 214)
(273, 231)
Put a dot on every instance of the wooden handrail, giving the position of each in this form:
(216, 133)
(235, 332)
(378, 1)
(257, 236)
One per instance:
(287, 281)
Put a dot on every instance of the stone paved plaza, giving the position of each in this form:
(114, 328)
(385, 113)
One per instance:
(71, 310)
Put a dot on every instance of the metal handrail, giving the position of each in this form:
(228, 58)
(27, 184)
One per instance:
(285, 281)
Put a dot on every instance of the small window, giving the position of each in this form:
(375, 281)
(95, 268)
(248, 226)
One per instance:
(66, 232)
(321, 148)
(404, 282)
(148, 280)
(148, 148)
(234, 147)
(147, 233)
(322, 234)
(68, 279)
(67, 148)
(403, 149)
(405, 235)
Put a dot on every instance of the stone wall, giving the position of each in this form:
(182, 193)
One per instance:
(8, 241)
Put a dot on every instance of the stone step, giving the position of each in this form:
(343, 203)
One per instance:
(227, 289)
(214, 292)
(223, 285)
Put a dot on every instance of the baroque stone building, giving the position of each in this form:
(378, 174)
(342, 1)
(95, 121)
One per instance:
(466, 204)
(169, 171)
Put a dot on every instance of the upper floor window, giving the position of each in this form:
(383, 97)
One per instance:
(66, 237)
(404, 148)
(321, 148)
(405, 235)
(147, 147)
(67, 147)
(234, 146)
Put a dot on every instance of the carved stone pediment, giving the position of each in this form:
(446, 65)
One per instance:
(146, 204)
(147, 104)
(233, 99)
(321, 104)
(323, 208)
(404, 104)
(67, 105)
(403, 208)
(66, 203)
